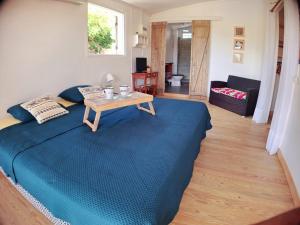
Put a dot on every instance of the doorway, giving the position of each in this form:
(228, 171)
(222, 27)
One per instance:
(180, 55)
(178, 58)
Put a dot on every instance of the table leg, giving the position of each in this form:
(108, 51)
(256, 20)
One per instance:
(96, 121)
(86, 114)
(150, 110)
(93, 125)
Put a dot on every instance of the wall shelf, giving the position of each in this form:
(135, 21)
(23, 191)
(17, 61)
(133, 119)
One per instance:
(140, 41)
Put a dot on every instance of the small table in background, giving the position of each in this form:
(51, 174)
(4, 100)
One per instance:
(101, 104)
(145, 82)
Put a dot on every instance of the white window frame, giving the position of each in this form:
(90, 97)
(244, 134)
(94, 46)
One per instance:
(100, 4)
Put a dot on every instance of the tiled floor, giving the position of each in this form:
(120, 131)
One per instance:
(184, 89)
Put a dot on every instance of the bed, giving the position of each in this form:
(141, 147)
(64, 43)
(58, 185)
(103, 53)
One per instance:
(133, 170)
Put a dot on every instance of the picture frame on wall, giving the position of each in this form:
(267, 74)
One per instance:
(239, 31)
(238, 57)
(239, 44)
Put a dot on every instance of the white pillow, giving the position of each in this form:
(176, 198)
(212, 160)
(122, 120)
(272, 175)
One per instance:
(44, 109)
(91, 92)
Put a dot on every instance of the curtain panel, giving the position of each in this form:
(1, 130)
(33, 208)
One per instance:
(287, 77)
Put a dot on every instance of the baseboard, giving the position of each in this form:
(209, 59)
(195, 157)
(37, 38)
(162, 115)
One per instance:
(182, 96)
(291, 183)
(175, 95)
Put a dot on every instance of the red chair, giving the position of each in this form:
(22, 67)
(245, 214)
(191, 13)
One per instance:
(139, 81)
(153, 81)
(145, 82)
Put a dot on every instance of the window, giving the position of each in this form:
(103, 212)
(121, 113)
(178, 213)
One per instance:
(105, 31)
(187, 35)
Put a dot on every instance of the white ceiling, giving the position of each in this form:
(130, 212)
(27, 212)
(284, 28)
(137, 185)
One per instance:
(154, 6)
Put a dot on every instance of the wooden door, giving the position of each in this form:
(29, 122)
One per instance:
(200, 58)
(158, 53)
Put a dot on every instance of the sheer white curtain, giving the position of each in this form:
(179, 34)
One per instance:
(287, 77)
(268, 72)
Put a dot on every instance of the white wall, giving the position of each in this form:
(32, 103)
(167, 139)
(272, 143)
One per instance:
(291, 144)
(169, 44)
(225, 14)
(175, 51)
(43, 48)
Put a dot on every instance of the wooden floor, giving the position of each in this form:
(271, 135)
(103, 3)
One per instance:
(235, 182)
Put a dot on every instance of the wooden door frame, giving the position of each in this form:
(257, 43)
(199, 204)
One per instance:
(208, 53)
(162, 74)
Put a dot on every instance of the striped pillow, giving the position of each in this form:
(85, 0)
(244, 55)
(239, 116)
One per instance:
(44, 109)
(91, 92)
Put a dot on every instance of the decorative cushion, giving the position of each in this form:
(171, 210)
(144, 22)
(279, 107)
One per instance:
(72, 94)
(231, 92)
(20, 114)
(91, 92)
(65, 103)
(9, 121)
(44, 109)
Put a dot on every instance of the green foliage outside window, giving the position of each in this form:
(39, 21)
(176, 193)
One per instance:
(99, 33)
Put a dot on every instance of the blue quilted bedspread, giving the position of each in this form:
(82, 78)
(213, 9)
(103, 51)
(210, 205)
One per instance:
(132, 171)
